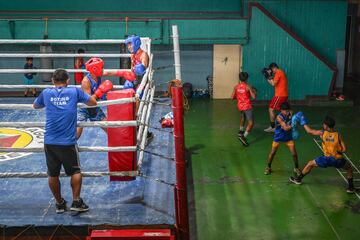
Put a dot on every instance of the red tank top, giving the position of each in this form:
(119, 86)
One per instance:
(135, 58)
(243, 97)
(79, 76)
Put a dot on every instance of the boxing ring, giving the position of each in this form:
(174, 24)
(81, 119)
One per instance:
(148, 201)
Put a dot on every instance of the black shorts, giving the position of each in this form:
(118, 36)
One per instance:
(59, 155)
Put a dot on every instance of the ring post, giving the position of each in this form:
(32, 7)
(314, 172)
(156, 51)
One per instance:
(181, 204)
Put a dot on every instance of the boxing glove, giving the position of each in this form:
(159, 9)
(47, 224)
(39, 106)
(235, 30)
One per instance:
(302, 119)
(139, 69)
(126, 75)
(294, 123)
(128, 84)
(295, 134)
(105, 87)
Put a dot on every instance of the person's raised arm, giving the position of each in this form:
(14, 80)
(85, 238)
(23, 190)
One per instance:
(85, 97)
(39, 102)
(283, 124)
(312, 131)
(128, 75)
(92, 101)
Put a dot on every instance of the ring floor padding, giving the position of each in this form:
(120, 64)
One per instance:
(140, 202)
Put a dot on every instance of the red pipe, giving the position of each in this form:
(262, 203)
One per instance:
(181, 204)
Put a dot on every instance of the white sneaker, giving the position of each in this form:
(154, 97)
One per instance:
(269, 130)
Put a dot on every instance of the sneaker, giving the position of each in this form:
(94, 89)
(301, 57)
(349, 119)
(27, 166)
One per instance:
(241, 133)
(243, 140)
(295, 180)
(61, 207)
(267, 171)
(269, 130)
(350, 190)
(79, 206)
(149, 137)
(297, 171)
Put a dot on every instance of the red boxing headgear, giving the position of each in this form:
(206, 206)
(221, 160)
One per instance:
(95, 66)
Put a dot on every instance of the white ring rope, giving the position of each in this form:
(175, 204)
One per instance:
(67, 41)
(9, 86)
(64, 55)
(85, 174)
(20, 70)
(144, 137)
(103, 124)
(81, 149)
(141, 105)
(143, 115)
(80, 105)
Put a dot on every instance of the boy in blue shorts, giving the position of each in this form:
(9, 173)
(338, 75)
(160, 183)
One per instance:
(91, 84)
(60, 146)
(283, 134)
(333, 147)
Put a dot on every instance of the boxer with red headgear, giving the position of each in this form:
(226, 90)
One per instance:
(93, 85)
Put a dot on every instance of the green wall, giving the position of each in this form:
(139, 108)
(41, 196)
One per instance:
(270, 43)
(319, 23)
(122, 5)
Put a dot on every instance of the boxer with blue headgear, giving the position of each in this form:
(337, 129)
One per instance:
(139, 59)
(135, 42)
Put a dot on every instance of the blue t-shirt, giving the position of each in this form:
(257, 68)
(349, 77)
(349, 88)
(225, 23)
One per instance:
(61, 113)
(280, 134)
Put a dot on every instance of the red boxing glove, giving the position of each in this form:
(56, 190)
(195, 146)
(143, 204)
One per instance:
(167, 123)
(127, 75)
(103, 88)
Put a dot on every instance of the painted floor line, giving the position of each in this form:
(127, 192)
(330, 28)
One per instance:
(357, 194)
(323, 212)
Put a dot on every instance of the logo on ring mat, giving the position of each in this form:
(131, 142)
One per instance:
(20, 138)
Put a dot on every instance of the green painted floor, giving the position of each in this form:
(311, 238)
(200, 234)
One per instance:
(233, 199)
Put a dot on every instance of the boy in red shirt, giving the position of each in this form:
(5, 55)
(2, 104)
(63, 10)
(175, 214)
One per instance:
(243, 93)
(79, 64)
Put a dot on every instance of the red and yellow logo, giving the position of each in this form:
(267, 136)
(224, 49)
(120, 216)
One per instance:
(19, 138)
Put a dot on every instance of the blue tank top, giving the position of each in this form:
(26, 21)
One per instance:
(95, 85)
(280, 134)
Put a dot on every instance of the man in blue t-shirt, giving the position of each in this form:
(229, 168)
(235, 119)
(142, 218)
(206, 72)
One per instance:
(60, 136)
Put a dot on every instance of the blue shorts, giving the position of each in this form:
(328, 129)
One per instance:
(28, 81)
(84, 114)
(325, 162)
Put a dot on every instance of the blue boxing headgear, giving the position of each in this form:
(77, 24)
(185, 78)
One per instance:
(135, 42)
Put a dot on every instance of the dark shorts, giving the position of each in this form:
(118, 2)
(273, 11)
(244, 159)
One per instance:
(325, 162)
(276, 102)
(248, 114)
(91, 114)
(66, 156)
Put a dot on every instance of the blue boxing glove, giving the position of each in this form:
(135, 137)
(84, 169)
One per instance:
(139, 69)
(128, 84)
(302, 119)
(294, 122)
